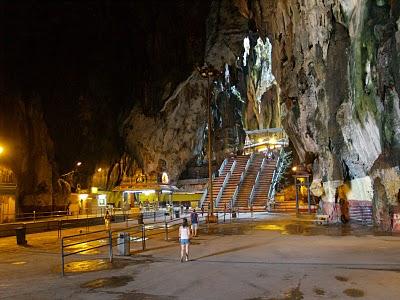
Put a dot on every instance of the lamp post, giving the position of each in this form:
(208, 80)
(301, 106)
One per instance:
(208, 72)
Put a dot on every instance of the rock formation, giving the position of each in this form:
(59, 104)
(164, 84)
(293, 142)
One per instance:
(334, 87)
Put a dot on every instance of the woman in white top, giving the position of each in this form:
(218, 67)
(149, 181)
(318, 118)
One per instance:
(184, 236)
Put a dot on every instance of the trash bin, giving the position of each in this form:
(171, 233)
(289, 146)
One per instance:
(177, 215)
(20, 233)
(124, 244)
(140, 218)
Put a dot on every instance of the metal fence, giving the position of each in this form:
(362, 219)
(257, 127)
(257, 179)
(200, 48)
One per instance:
(140, 232)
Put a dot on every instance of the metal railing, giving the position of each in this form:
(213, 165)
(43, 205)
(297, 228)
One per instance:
(234, 196)
(108, 239)
(226, 180)
(142, 233)
(256, 182)
(242, 176)
(203, 197)
(222, 167)
(275, 176)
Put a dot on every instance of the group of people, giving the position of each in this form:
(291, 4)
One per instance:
(185, 233)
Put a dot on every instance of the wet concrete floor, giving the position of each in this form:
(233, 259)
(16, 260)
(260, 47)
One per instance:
(281, 259)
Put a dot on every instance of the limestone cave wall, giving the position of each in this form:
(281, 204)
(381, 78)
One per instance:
(136, 100)
(336, 64)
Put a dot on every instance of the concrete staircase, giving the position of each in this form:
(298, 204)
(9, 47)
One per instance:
(233, 182)
(218, 182)
(244, 188)
(242, 201)
(265, 179)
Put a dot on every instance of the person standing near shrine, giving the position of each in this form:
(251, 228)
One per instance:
(194, 218)
(107, 220)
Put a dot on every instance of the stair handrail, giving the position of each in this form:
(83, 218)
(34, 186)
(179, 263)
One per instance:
(226, 180)
(203, 197)
(222, 167)
(246, 168)
(256, 182)
(272, 187)
(234, 196)
(253, 190)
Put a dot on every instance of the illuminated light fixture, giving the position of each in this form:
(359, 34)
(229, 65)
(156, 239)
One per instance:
(272, 140)
(99, 169)
(148, 192)
(83, 196)
(94, 190)
(294, 169)
(260, 140)
(164, 178)
(78, 163)
(101, 200)
(1, 149)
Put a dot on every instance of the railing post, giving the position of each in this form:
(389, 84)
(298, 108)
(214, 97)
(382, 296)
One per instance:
(166, 231)
(154, 216)
(87, 222)
(143, 237)
(59, 228)
(62, 257)
(110, 252)
(34, 216)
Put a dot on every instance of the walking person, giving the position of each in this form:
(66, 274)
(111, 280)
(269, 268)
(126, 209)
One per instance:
(184, 236)
(194, 218)
(107, 220)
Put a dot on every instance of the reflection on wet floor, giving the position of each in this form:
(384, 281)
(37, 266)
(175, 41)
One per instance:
(292, 294)
(308, 228)
(141, 296)
(109, 282)
(341, 278)
(319, 292)
(18, 263)
(88, 265)
(84, 246)
(355, 293)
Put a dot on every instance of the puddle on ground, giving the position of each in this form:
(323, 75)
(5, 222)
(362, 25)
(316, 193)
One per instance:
(109, 282)
(341, 278)
(95, 265)
(310, 229)
(225, 230)
(86, 247)
(292, 294)
(18, 263)
(355, 293)
(319, 292)
(141, 296)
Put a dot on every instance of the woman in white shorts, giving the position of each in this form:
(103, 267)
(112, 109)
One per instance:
(184, 236)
